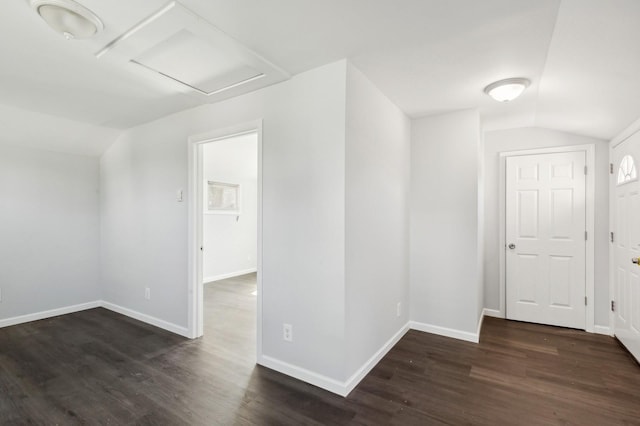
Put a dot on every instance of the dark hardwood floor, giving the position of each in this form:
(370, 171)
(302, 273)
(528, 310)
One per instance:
(98, 367)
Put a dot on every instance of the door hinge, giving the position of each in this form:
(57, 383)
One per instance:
(585, 301)
(585, 170)
(585, 235)
(613, 306)
(610, 168)
(612, 238)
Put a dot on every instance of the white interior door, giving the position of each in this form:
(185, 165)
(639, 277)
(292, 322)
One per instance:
(626, 214)
(545, 238)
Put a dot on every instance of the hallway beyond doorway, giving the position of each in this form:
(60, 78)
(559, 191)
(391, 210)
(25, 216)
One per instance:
(230, 317)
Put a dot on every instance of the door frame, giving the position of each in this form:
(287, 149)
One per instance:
(195, 225)
(612, 266)
(589, 151)
(626, 134)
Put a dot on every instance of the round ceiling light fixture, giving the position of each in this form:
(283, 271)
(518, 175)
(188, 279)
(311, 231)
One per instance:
(508, 89)
(68, 18)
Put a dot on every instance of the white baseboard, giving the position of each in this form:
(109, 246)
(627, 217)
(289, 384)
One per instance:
(360, 374)
(344, 388)
(601, 329)
(480, 321)
(229, 275)
(182, 331)
(165, 325)
(49, 314)
(493, 313)
(327, 383)
(305, 375)
(443, 331)
(486, 312)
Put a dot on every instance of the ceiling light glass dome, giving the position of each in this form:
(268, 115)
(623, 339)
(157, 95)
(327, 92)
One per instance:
(68, 18)
(508, 89)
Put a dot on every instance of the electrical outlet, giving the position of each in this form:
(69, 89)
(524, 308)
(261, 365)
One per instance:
(147, 293)
(287, 332)
(399, 309)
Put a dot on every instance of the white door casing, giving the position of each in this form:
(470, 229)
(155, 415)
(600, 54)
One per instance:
(545, 212)
(626, 245)
(195, 204)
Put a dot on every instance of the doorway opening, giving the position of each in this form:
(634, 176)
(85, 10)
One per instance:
(225, 235)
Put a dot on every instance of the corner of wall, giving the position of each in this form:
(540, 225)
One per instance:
(445, 224)
(377, 143)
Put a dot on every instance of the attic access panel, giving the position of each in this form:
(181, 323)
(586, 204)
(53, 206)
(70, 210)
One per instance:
(180, 49)
(197, 63)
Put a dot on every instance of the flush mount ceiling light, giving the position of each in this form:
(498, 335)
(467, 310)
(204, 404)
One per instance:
(508, 89)
(68, 18)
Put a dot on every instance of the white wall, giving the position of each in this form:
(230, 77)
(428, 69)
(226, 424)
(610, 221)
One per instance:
(49, 232)
(144, 229)
(377, 219)
(229, 241)
(530, 138)
(445, 236)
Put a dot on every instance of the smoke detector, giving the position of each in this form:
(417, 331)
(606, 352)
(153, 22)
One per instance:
(68, 18)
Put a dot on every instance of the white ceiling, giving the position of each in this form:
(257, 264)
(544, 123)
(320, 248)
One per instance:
(428, 56)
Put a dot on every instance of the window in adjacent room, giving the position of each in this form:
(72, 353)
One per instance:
(222, 198)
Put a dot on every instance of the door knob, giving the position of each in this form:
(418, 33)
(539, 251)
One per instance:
(512, 246)
(634, 260)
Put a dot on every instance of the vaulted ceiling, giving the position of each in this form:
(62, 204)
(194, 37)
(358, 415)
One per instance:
(427, 56)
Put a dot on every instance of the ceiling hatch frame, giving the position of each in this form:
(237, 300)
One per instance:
(182, 51)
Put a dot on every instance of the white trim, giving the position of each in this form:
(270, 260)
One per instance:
(195, 225)
(165, 325)
(307, 376)
(480, 325)
(229, 275)
(612, 277)
(344, 388)
(492, 313)
(555, 149)
(327, 383)
(601, 329)
(361, 373)
(590, 255)
(625, 134)
(146, 21)
(502, 238)
(49, 314)
(444, 331)
(589, 151)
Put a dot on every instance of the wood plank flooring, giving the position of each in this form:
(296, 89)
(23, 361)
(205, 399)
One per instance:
(98, 367)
